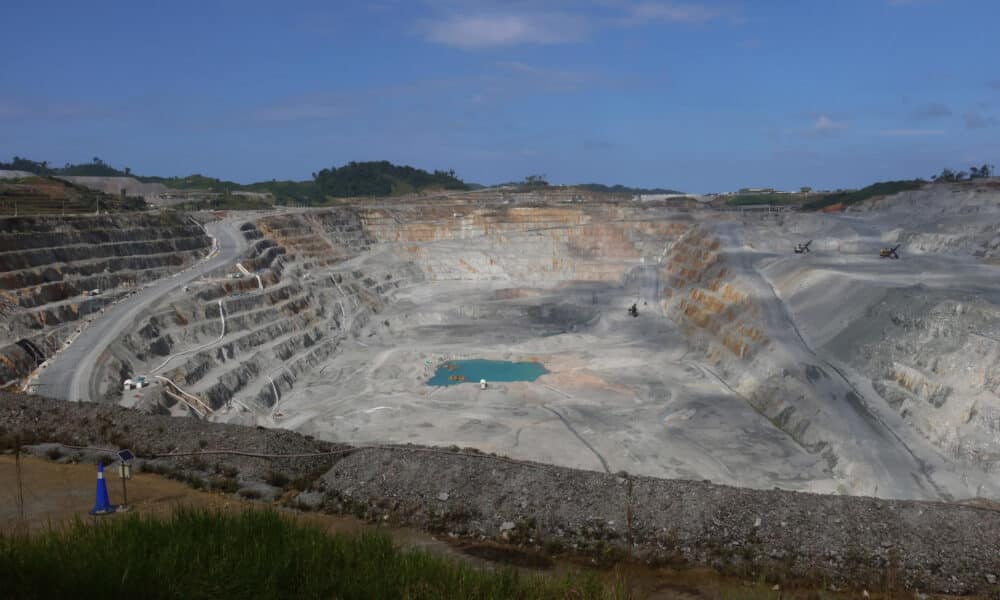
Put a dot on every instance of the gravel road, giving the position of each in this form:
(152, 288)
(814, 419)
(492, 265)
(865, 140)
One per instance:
(68, 374)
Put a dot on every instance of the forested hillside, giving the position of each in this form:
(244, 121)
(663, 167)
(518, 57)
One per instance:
(375, 178)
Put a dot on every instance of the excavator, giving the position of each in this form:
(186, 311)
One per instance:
(802, 248)
(889, 252)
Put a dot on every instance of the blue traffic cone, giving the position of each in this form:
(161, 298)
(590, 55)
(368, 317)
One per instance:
(102, 505)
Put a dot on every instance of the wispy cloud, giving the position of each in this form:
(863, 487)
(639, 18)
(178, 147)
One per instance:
(976, 120)
(472, 32)
(316, 107)
(910, 132)
(546, 79)
(825, 126)
(929, 112)
(674, 12)
(57, 109)
(456, 101)
(491, 24)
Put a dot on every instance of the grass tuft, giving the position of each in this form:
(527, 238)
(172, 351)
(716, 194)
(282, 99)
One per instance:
(254, 554)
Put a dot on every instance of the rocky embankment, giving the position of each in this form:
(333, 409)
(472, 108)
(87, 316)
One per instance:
(842, 541)
(55, 271)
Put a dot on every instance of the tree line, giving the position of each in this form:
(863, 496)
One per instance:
(95, 168)
(973, 173)
(381, 178)
(374, 178)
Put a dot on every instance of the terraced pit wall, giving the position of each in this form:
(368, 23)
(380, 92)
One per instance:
(597, 243)
(275, 331)
(711, 309)
(740, 333)
(310, 303)
(50, 266)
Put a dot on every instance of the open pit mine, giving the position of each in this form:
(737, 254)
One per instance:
(666, 339)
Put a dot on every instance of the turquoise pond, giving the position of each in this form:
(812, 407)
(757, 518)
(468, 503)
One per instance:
(491, 370)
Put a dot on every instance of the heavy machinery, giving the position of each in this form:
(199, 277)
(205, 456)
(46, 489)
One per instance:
(889, 252)
(802, 248)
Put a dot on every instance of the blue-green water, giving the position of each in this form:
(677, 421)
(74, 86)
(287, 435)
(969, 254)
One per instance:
(491, 370)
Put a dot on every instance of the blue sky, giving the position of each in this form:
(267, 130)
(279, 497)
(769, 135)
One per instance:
(700, 95)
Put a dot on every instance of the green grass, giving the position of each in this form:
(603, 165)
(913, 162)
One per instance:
(254, 554)
(882, 188)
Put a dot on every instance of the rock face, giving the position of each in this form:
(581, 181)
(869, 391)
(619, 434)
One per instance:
(55, 271)
(277, 329)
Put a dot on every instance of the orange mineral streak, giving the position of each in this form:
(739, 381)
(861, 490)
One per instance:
(711, 303)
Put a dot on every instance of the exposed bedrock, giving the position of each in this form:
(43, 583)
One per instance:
(276, 329)
(55, 271)
(740, 364)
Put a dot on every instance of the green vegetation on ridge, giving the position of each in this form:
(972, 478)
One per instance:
(847, 198)
(382, 178)
(624, 189)
(39, 195)
(375, 178)
(809, 200)
(253, 554)
(95, 168)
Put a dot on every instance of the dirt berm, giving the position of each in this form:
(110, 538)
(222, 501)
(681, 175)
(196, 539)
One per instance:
(848, 541)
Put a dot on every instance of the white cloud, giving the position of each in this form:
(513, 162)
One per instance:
(825, 125)
(490, 23)
(471, 32)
